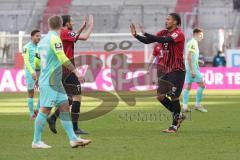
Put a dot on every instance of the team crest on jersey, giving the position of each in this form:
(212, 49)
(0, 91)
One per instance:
(192, 47)
(165, 46)
(72, 34)
(58, 46)
(174, 35)
(174, 89)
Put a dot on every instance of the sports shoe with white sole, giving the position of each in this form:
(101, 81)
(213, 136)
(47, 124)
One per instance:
(201, 109)
(80, 142)
(40, 145)
(185, 110)
(171, 129)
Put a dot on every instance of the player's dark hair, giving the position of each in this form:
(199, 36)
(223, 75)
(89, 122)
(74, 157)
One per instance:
(66, 19)
(176, 17)
(34, 32)
(197, 30)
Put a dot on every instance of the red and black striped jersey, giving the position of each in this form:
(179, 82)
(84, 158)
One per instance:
(170, 55)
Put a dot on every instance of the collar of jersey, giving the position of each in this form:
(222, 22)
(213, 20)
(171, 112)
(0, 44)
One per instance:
(173, 30)
(33, 44)
(53, 32)
(194, 40)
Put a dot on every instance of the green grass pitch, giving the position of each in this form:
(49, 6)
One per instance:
(126, 133)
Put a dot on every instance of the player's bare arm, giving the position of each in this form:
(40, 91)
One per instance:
(82, 27)
(151, 62)
(87, 30)
(67, 63)
(142, 28)
(189, 59)
(73, 69)
(133, 30)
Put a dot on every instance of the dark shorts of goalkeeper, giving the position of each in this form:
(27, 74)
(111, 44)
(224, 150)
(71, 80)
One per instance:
(171, 83)
(71, 84)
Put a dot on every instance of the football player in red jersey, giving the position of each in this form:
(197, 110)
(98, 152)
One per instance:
(172, 69)
(70, 81)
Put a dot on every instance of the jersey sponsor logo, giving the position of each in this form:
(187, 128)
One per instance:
(174, 35)
(72, 34)
(37, 55)
(165, 46)
(58, 46)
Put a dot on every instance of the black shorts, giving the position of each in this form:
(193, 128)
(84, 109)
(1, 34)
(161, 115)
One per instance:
(71, 84)
(171, 83)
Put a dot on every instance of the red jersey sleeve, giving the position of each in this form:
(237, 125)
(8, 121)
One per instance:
(177, 36)
(156, 49)
(67, 35)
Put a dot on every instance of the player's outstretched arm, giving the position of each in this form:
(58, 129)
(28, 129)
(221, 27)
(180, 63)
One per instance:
(158, 39)
(87, 30)
(142, 39)
(82, 27)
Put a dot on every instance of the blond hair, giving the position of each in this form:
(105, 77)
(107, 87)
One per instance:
(55, 22)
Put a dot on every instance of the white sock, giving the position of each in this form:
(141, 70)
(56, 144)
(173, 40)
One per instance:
(197, 105)
(185, 107)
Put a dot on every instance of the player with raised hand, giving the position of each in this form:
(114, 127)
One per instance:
(172, 70)
(70, 81)
(52, 58)
(192, 71)
(30, 52)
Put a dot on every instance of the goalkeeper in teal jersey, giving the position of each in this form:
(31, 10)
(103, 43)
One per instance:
(52, 92)
(192, 71)
(31, 57)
